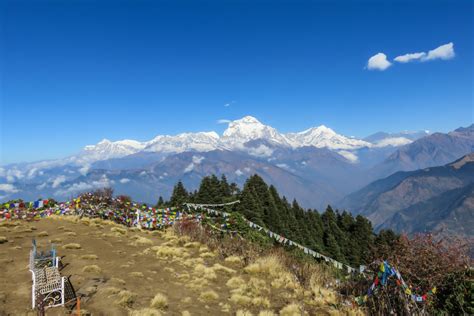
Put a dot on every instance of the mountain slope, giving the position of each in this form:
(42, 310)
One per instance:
(433, 193)
(433, 150)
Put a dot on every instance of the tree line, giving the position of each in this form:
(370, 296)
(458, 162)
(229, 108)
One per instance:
(337, 234)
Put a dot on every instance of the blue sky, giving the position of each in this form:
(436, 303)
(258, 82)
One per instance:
(74, 72)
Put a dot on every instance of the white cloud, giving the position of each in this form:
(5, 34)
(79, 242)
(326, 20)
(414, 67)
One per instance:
(348, 155)
(378, 62)
(410, 57)
(283, 166)
(58, 181)
(84, 169)
(84, 186)
(223, 121)
(8, 188)
(238, 172)
(260, 151)
(196, 161)
(124, 180)
(189, 168)
(393, 141)
(229, 104)
(41, 186)
(443, 52)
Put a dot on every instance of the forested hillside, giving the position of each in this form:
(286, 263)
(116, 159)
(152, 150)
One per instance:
(339, 235)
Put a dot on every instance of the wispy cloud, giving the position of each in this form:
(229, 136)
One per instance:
(223, 121)
(443, 52)
(378, 62)
(229, 103)
(409, 57)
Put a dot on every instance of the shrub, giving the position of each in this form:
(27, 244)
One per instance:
(92, 269)
(160, 301)
(209, 296)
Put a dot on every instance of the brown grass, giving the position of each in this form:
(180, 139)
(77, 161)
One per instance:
(125, 298)
(137, 274)
(72, 246)
(3, 239)
(209, 296)
(93, 268)
(89, 257)
(160, 301)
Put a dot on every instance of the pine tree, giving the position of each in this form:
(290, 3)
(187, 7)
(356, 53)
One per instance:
(160, 203)
(179, 195)
(225, 189)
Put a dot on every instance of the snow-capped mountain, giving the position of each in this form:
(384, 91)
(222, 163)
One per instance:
(106, 149)
(202, 141)
(317, 159)
(324, 137)
(249, 128)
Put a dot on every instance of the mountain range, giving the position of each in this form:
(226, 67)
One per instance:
(430, 199)
(316, 166)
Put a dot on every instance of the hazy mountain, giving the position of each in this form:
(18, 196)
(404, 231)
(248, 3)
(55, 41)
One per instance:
(420, 200)
(433, 150)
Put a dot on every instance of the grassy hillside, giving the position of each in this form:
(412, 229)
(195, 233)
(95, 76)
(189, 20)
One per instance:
(121, 271)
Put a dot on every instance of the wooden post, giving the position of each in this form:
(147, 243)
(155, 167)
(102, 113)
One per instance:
(78, 306)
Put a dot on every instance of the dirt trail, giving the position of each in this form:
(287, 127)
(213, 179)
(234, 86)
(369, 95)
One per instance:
(120, 271)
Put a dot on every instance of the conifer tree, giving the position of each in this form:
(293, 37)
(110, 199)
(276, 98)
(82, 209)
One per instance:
(160, 203)
(179, 195)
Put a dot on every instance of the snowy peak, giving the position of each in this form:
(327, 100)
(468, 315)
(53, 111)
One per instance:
(106, 149)
(202, 141)
(249, 128)
(323, 136)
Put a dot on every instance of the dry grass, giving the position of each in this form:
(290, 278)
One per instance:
(160, 301)
(235, 282)
(145, 312)
(270, 266)
(119, 230)
(205, 272)
(243, 312)
(118, 281)
(291, 310)
(93, 268)
(89, 257)
(136, 274)
(193, 244)
(240, 300)
(170, 252)
(71, 234)
(111, 290)
(72, 246)
(209, 296)
(233, 260)
(266, 313)
(142, 241)
(207, 255)
(55, 241)
(221, 268)
(3, 239)
(43, 234)
(125, 298)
